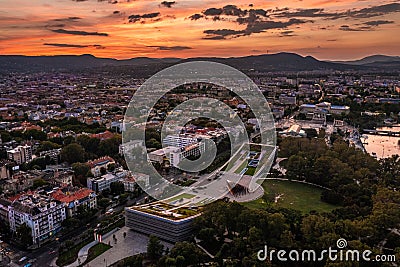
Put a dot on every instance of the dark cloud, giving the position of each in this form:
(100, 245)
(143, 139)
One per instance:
(97, 46)
(378, 22)
(354, 29)
(168, 4)
(222, 33)
(244, 16)
(261, 26)
(84, 33)
(136, 18)
(196, 16)
(55, 25)
(320, 12)
(228, 10)
(68, 19)
(376, 11)
(287, 33)
(66, 45)
(232, 10)
(213, 11)
(260, 12)
(171, 48)
(256, 26)
(304, 13)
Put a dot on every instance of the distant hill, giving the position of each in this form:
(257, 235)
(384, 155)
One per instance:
(372, 59)
(270, 62)
(278, 62)
(68, 63)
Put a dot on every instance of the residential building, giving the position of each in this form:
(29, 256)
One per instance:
(4, 203)
(20, 154)
(6, 169)
(179, 140)
(54, 154)
(97, 164)
(130, 145)
(324, 107)
(176, 154)
(42, 214)
(73, 198)
(64, 177)
(98, 184)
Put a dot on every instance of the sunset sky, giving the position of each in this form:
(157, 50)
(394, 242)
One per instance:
(341, 29)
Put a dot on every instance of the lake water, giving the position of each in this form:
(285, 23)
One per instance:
(383, 146)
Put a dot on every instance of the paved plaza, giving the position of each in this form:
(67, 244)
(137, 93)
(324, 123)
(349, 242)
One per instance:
(134, 243)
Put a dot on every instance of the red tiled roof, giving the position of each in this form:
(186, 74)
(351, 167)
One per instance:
(93, 163)
(103, 136)
(80, 194)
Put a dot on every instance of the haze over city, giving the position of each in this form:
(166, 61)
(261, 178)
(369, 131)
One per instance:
(327, 30)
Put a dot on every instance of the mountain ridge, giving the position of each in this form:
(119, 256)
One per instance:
(265, 62)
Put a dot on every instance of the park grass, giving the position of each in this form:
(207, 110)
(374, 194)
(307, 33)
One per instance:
(96, 251)
(70, 256)
(298, 196)
(241, 167)
(250, 171)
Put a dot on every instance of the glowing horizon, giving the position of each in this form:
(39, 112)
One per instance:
(326, 30)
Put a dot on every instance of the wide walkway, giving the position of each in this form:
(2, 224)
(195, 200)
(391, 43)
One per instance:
(134, 243)
(84, 251)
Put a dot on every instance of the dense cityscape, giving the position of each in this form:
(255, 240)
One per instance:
(65, 183)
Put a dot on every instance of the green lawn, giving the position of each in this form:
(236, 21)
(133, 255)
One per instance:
(250, 171)
(298, 196)
(96, 251)
(241, 167)
(69, 256)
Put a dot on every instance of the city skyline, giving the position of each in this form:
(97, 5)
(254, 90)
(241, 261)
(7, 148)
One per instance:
(327, 30)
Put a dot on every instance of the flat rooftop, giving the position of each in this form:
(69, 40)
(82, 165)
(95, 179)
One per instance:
(167, 211)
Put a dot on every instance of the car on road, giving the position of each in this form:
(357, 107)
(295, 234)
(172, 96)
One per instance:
(23, 259)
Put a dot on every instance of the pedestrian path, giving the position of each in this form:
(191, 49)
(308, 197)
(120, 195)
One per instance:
(83, 252)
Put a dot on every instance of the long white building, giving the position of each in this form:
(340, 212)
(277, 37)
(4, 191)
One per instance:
(179, 140)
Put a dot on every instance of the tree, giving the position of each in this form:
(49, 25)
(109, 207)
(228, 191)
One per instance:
(111, 167)
(24, 234)
(207, 235)
(296, 167)
(81, 170)
(153, 143)
(154, 248)
(103, 170)
(189, 254)
(103, 203)
(117, 188)
(47, 145)
(35, 134)
(73, 153)
(38, 183)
